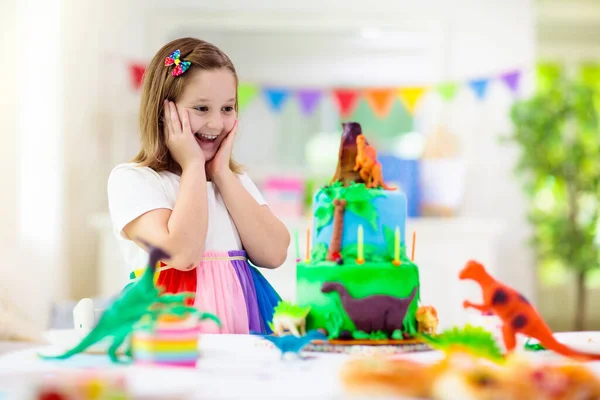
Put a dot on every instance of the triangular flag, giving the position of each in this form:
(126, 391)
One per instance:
(346, 100)
(246, 92)
(479, 86)
(512, 80)
(380, 100)
(136, 72)
(447, 90)
(410, 96)
(276, 97)
(308, 99)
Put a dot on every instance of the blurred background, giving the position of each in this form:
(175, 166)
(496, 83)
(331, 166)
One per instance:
(435, 86)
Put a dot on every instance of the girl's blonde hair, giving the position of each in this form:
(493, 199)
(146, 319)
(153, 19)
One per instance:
(159, 84)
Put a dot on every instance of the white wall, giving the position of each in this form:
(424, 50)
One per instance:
(31, 238)
(476, 39)
(99, 116)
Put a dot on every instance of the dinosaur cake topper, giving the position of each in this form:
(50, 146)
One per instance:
(516, 313)
(357, 160)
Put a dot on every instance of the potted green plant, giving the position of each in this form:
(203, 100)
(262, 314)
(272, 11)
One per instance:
(558, 134)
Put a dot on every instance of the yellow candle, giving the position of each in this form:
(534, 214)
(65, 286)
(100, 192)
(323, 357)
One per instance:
(308, 244)
(397, 246)
(361, 251)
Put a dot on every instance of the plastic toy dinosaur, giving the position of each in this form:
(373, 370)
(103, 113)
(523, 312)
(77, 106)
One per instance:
(367, 164)
(289, 317)
(141, 299)
(469, 339)
(517, 314)
(427, 320)
(293, 344)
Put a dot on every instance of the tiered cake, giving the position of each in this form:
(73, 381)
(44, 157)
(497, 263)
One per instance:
(357, 279)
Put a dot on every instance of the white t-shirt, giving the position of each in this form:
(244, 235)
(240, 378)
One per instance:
(134, 190)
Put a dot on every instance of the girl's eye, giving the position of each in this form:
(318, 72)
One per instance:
(201, 108)
(228, 109)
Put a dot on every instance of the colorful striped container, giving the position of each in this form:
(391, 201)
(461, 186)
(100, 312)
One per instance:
(171, 342)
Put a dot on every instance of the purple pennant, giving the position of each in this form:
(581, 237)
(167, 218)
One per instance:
(308, 98)
(511, 79)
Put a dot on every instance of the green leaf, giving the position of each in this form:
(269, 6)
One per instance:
(397, 335)
(390, 240)
(364, 210)
(318, 252)
(360, 335)
(323, 216)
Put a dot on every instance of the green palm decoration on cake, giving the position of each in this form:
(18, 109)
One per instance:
(355, 198)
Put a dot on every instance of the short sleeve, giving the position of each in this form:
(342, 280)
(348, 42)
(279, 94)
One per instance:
(252, 189)
(132, 192)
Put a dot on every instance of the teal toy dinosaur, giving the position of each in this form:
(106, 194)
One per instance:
(293, 344)
(140, 301)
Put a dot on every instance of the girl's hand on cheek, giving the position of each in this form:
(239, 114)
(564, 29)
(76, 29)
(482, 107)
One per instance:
(218, 167)
(179, 138)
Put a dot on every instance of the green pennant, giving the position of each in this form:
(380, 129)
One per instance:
(447, 90)
(246, 92)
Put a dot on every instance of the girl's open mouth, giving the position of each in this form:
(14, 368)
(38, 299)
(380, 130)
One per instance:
(203, 138)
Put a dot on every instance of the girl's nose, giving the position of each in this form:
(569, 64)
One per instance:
(215, 122)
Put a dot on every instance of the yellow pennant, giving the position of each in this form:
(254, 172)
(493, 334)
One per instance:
(410, 97)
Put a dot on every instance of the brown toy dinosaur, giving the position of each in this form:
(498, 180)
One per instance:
(374, 313)
(367, 164)
(344, 171)
(517, 314)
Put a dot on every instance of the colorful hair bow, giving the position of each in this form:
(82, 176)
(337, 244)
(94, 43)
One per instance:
(180, 66)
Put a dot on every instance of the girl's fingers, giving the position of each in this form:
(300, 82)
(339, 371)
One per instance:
(175, 122)
(185, 119)
(231, 135)
(166, 119)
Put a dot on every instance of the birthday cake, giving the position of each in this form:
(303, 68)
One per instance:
(357, 277)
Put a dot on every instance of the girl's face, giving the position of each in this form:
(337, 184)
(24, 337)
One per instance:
(209, 97)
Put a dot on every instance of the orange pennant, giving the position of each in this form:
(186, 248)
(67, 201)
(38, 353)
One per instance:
(380, 100)
(410, 96)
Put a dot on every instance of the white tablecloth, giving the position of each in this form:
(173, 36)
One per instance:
(230, 367)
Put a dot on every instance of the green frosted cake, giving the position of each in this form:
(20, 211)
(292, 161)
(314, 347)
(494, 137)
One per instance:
(358, 280)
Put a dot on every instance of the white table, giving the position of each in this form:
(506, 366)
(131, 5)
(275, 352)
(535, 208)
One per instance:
(230, 367)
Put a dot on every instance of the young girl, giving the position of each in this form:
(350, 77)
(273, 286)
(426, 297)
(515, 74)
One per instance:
(184, 193)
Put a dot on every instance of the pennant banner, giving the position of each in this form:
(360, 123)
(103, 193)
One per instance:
(346, 100)
(136, 74)
(276, 98)
(410, 97)
(308, 99)
(479, 86)
(380, 100)
(246, 92)
(511, 79)
(447, 90)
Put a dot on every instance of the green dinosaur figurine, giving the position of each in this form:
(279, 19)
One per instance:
(474, 340)
(289, 317)
(138, 300)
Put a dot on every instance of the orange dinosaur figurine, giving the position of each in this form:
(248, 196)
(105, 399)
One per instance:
(366, 162)
(516, 313)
